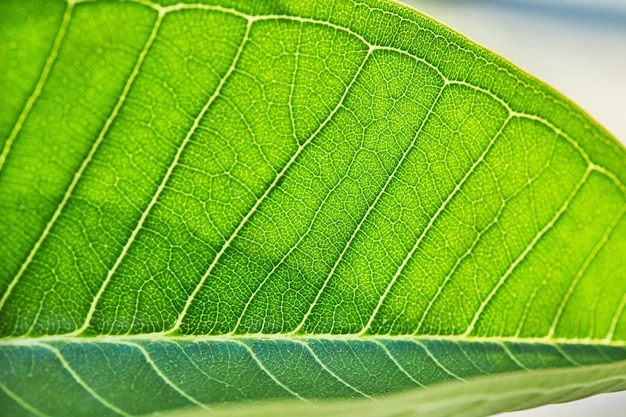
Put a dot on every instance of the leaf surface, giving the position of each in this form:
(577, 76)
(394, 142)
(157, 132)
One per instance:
(227, 202)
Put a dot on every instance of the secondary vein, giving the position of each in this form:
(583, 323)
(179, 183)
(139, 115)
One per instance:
(43, 78)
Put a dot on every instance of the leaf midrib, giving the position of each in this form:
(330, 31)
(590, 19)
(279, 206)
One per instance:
(280, 337)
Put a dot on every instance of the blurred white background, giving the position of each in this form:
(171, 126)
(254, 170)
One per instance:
(576, 46)
(579, 48)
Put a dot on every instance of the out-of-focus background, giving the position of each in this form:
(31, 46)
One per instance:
(579, 48)
(576, 46)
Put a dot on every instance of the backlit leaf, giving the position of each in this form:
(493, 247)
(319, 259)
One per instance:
(216, 203)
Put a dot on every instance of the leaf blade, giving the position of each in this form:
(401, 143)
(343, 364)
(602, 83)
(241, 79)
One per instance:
(314, 177)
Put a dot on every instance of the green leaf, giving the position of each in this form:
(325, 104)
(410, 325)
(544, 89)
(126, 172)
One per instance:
(232, 202)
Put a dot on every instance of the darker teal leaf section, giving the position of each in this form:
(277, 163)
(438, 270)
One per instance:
(104, 377)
